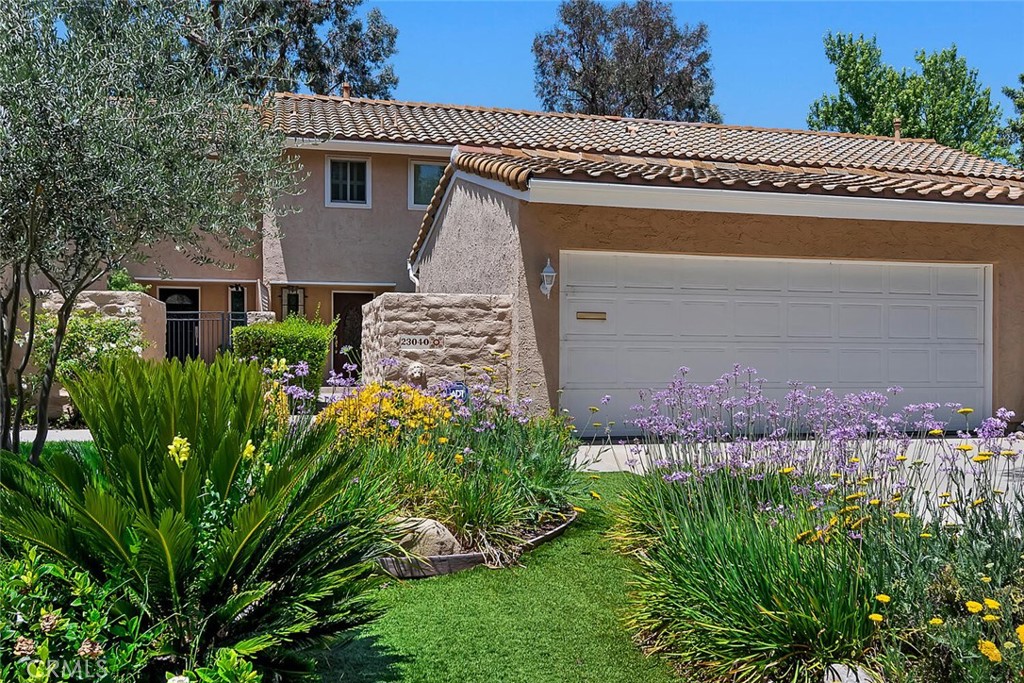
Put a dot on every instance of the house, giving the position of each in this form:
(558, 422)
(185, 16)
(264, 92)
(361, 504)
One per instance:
(847, 261)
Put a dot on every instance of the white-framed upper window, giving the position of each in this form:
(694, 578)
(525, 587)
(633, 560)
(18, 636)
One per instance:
(347, 182)
(423, 179)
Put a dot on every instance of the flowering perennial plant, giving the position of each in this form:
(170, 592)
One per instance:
(486, 468)
(828, 529)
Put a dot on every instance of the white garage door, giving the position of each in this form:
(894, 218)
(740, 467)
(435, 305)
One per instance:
(629, 321)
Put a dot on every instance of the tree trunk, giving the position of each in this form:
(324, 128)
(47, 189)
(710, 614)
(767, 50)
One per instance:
(46, 378)
(8, 331)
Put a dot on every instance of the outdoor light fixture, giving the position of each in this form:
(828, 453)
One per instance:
(547, 279)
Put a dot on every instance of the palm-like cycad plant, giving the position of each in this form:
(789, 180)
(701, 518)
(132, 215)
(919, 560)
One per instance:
(241, 534)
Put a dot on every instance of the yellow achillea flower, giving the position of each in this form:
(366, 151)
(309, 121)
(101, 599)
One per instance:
(835, 475)
(935, 621)
(992, 604)
(578, 509)
(803, 535)
(925, 534)
(875, 617)
(442, 439)
(901, 515)
(981, 458)
(990, 617)
(901, 458)
(597, 424)
(977, 502)
(965, 447)
(1008, 454)
(849, 508)
(883, 598)
(854, 460)
(935, 432)
(179, 451)
(875, 501)
(249, 450)
(459, 459)
(986, 579)
(945, 494)
(855, 496)
(787, 470)
(965, 411)
(990, 650)
(595, 495)
(593, 409)
(1020, 633)
(974, 607)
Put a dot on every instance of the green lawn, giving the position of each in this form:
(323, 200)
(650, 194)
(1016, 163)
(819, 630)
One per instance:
(554, 619)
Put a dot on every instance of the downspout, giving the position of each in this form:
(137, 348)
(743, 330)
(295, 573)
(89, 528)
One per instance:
(411, 267)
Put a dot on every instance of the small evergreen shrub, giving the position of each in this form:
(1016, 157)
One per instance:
(297, 340)
(120, 280)
(89, 338)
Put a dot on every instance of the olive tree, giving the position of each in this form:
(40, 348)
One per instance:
(115, 136)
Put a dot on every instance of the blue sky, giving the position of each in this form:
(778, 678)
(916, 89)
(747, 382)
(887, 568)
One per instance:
(768, 59)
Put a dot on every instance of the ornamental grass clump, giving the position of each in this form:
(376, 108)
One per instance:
(487, 468)
(776, 536)
(249, 537)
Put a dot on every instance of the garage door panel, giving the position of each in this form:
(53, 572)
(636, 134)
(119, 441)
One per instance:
(910, 366)
(812, 277)
(817, 366)
(709, 318)
(862, 279)
(860, 321)
(910, 280)
(910, 321)
(647, 317)
(862, 366)
(963, 321)
(959, 282)
(810, 319)
(592, 366)
(757, 319)
(849, 326)
(958, 366)
(649, 366)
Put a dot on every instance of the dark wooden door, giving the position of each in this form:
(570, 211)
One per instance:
(182, 321)
(348, 333)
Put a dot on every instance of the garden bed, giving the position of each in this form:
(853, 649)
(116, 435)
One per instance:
(439, 565)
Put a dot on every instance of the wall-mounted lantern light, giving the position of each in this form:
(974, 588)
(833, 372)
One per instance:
(547, 279)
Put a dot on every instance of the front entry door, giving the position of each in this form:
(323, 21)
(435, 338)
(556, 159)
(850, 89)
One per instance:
(182, 321)
(348, 333)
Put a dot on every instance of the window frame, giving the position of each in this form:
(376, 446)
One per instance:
(328, 203)
(413, 163)
(301, 293)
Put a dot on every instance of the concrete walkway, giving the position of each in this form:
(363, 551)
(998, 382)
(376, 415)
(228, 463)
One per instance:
(28, 435)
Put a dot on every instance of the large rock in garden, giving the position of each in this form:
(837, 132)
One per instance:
(427, 537)
(840, 673)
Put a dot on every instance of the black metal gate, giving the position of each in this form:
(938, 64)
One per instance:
(200, 334)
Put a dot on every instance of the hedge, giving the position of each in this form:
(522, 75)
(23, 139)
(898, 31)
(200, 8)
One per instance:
(295, 339)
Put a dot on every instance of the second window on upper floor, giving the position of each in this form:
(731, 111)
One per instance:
(347, 182)
(423, 179)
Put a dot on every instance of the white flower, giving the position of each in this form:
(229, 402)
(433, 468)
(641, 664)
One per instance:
(137, 350)
(178, 679)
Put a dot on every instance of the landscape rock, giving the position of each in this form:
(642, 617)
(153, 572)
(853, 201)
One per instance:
(841, 673)
(427, 537)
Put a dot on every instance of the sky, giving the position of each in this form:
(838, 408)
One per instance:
(768, 58)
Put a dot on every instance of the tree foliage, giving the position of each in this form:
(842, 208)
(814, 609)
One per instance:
(625, 60)
(1014, 132)
(115, 136)
(269, 45)
(942, 100)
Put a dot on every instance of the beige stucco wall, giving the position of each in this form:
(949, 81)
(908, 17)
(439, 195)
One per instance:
(470, 226)
(547, 229)
(346, 244)
(474, 329)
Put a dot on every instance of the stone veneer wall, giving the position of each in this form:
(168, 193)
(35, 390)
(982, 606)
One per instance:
(472, 328)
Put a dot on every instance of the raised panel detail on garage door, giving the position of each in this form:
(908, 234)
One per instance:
(845, 325)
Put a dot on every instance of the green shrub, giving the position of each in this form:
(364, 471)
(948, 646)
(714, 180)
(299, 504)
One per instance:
(62, 623)
(294, 339)
(488, 470)
(90, 337)
(120, 280)
(242, 534)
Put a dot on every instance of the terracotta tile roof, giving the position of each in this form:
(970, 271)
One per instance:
(322, 117)
(516, 167)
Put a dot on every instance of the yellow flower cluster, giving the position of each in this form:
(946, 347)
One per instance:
(385, 411)
(990, 650)
(179, 451)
